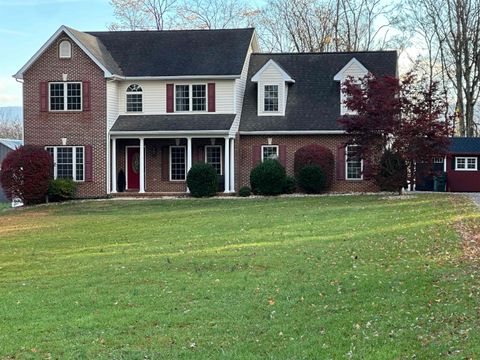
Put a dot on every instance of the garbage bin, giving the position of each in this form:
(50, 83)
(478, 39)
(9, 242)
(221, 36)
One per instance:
(440, 182)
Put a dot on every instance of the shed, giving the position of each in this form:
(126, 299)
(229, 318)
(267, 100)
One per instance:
(463, 160)
(7, 145)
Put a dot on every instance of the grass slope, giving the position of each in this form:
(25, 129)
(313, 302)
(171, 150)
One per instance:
(302, 278)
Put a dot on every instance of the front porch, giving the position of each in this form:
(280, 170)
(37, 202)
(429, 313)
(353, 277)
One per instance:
(162, 167)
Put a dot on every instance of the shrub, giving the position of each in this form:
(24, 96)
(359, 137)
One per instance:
(61, 189)
(244, 191)
(315, 155)
(202, 180)
(312, 179)
(290, 185)
(268, 178)
(392, 172)
(26, 173)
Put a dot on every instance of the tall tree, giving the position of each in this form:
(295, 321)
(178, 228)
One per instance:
(451, 29)
(10, 124)
(142, 14)
(404, 117)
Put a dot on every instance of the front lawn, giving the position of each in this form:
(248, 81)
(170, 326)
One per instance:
(362, 277)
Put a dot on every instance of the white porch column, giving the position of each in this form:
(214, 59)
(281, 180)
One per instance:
(189, 154)
(114, 166)
(226, 173)
(232, 165)
(142, 165)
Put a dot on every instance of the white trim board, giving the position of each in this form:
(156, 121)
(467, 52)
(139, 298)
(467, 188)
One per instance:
(285, 76)
(340, 76)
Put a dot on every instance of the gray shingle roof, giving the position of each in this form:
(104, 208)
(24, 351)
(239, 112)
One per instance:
(314, 99)
(197, 122)
(170, 53)
(11, 143)
(465, 145)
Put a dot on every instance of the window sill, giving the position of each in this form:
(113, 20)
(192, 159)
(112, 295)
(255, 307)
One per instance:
(466, 170)
(64, 111)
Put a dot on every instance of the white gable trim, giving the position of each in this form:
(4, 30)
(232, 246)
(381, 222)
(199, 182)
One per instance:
(63, 28)
(340, 76)
(285, 76)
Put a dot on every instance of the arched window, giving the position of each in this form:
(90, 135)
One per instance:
(65, 49)
(134, 98)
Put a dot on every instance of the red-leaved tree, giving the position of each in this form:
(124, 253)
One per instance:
(26, 173)
(314, 154)
(404, 116)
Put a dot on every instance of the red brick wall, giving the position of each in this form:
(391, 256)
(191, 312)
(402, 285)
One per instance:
(293, 143)
(80, 128)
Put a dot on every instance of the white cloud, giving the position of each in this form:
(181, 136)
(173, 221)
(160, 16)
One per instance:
(10, 92)
(11, 32)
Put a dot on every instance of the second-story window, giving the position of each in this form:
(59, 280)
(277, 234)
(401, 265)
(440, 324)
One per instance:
(65, 96)
(191, 97)
(270, 102)
(134, 98)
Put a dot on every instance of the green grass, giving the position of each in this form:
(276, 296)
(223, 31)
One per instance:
(359, 277)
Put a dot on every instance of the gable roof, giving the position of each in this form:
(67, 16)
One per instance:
(285, 76)
(464, 145)
(169, 53)
(11, 143)
(313, 102)
(341, 74)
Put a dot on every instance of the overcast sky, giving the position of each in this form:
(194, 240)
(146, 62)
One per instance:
(25, 25)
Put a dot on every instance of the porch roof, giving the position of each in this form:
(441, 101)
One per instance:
(171, 123)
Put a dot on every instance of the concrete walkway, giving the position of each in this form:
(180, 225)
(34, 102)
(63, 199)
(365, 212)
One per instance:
(475, 197)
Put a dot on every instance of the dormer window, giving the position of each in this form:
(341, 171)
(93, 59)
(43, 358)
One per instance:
(134, 98)
(65, 49)
(354, 69)
(270, 98)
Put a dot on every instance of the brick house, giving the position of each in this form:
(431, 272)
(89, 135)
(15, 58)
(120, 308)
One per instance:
(146, 105)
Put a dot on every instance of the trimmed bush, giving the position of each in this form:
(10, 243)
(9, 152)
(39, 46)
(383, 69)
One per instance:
(244, 191)
(290, 185)
(26, 173)
(392, 172)
(62, 190)
(312, 179)
(315, 155)
(268, 178)
(202, 180)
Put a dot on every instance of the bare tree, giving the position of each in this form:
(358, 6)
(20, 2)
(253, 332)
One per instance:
(451, 30)
(214, 14)
(328, 25)
(142, 14)
(10, 124)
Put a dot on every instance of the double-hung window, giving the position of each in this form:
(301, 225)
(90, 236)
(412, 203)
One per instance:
(269, 152)
(270, 98)
(466, 163)
(69, 162)
(65, 96)
(353, 163)
(190, 97)
(177, 163)
(213, 156)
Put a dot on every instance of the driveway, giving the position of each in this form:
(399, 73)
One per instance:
(475, 197)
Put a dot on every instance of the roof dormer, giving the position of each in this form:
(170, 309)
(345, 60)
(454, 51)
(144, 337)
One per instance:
(272, 89)
(354, 69)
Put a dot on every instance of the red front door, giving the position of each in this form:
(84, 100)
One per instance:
(133, 168)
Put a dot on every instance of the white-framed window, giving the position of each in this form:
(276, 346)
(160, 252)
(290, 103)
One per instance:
(269, 152)
(134, 99)
(213, 156)
(190, 97)
(353, 163)
(466, 163)
(68, 162)
(178, 163)
(270, 98)
(65, 96)
(65, 49)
